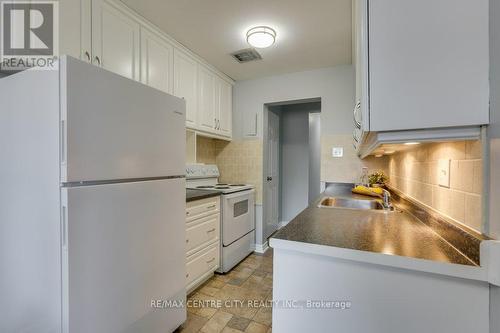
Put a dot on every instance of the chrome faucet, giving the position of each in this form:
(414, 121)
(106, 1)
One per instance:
(386, 199)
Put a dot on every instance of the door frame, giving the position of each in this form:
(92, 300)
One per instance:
(265, 139)
(265, 165)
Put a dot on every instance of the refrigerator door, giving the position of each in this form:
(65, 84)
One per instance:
(123, 247)
(116, 128)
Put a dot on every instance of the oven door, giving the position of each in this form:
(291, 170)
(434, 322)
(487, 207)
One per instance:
(238, 216)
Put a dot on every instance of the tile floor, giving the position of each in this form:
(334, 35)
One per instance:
(236, 302)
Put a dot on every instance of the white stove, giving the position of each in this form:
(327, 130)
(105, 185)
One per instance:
(238, 213)
(205, 177)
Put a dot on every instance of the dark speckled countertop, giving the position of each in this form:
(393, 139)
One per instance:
(192, 195)
(393, 233)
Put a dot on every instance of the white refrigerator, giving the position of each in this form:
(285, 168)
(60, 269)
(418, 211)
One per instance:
(92, 203)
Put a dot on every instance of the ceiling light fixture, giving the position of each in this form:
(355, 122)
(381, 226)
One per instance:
(412, 143)
(261, 37)
(389, 152)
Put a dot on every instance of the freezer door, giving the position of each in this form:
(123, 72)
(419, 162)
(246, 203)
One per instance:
(123, 247)
(116, 128)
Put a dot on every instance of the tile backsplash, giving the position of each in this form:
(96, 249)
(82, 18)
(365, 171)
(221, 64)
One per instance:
(346, 169)
(415, 173)
(205, 150)
(240, 161)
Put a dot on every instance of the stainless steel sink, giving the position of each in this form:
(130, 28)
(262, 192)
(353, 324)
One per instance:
(332, 202)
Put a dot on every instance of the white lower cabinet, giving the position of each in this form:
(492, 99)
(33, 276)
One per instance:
(202, 240)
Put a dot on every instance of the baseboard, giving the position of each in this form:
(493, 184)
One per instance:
(261, 248)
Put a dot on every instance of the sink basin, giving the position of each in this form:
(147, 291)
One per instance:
(332, 202)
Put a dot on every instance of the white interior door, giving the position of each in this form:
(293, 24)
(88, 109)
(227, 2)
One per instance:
(271, 222)
(123, 246)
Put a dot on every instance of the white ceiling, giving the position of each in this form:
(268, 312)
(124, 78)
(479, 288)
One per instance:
(310, 33)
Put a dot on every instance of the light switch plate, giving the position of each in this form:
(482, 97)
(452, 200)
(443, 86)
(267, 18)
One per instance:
(337, 152)
(444, 173)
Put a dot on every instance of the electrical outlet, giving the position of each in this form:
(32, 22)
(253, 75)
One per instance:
(337, 152)
(444, 173)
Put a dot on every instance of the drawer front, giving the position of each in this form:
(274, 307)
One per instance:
(206, 261)
(205, 232)
(201, 208)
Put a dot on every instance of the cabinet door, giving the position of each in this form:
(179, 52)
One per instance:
(428, 64)
(361, 107)
(206, 99)
(115, 40)
(225, 107)
(74, 29)
(156, 61)
(186, 83)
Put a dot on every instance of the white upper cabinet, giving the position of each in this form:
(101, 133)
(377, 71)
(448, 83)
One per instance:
(214, 103)
(186, 83)
(225, 108)
(421, 64)
(157, 63)
(106, 33)
(206, 117)
(115, 40)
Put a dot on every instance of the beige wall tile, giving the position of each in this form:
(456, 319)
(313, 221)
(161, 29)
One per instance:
(461, 175)
(473, 150)
(241, 162)
(473, 210)
(415, 173)
(345, 169)
(477, 178)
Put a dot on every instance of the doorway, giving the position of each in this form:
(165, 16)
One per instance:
(292, 132)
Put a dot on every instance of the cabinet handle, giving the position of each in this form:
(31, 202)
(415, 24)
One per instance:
(215, 123)
(87, 54)
(98, 60)
(187, 240)
(210, 207)
(187, 275)
(211, 260)
(356, 108)
(355, 138)
(211, 230)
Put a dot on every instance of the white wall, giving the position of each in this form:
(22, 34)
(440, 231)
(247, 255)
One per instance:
(314, 155)
(494, 132)
(494, 128)
(294, 159)
(335, 87)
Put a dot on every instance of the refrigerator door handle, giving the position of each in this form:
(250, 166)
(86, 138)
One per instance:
(63, 141)
(64, 228)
